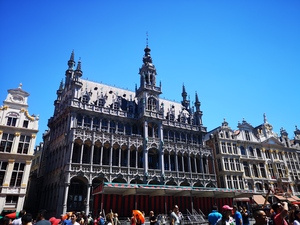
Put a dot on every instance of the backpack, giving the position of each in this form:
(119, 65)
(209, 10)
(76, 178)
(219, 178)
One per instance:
(101, 221)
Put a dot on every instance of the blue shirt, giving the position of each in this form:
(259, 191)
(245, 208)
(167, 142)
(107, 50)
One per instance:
(213, 217)
(238, 218)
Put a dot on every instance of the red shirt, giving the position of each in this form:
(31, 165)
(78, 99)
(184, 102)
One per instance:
(279, 221)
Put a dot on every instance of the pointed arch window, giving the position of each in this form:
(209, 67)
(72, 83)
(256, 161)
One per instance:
(153, 159)
(76, 153)
(166, 161)
(87, 148)
(152, 104)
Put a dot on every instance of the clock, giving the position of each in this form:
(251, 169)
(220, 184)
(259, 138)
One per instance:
(17, 98)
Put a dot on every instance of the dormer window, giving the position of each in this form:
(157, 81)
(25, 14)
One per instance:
(101, 102)
(85, 99)
(247, 135)
(116, 106)
(172, 117)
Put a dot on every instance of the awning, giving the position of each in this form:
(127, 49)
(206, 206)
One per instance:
(281, 198)
(291, 199)
(259, 200)
(296, 198)
(168, 190)
(241, 199)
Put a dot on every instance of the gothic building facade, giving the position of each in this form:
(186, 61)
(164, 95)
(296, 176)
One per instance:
(18, 131)
(112, 149)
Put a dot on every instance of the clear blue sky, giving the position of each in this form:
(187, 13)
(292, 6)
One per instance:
(241, 57)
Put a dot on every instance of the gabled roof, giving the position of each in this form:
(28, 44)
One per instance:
(272, 141)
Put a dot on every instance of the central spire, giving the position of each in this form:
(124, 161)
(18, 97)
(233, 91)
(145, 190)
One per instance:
(148, 71)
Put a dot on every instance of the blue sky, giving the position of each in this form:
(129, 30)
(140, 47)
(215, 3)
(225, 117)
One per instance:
(241, 57)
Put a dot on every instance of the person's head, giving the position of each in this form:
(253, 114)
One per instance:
(108, 217)
(277, 207)
(235, 208)
(226, 210)
(176, 208)
(26, 218)
(41, 215)
(116, 215)
(22, 213)
(297, 214)
(73, 217)
(260, 217)
(151, 213)
(215, 207)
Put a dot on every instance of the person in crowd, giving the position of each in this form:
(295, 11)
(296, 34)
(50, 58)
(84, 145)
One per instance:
(54, 221)
(62, 219)
(132, 219)
(18, 221)
(74, 219)
(291, 214)
(67, 219)
(245, 215)
(109, 219)
(89, 220)
(237, 216)
(41, 218)
(214, 216)
(144, 217)
(260, 217)
(26, 219)
(152, 218)
(226, 219)
(297, 217)
(175, 216)
(116, 219)
(280, 213)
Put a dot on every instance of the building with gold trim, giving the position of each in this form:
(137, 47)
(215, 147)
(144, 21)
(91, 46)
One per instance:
(18, 130)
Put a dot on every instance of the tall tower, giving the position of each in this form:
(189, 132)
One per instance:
(148, 93)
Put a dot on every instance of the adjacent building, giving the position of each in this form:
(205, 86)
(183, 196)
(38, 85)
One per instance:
(257, 159)
(18, 130)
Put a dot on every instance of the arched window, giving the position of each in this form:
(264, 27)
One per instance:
(251, 152)
(243, 152)
(258, 152)
(153, 159)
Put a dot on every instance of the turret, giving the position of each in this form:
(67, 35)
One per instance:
(69, 71)
(185, 102)
(198, 112)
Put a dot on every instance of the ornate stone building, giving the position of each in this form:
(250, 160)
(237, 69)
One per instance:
(18, 131)
(113, 149)
(257, 159)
